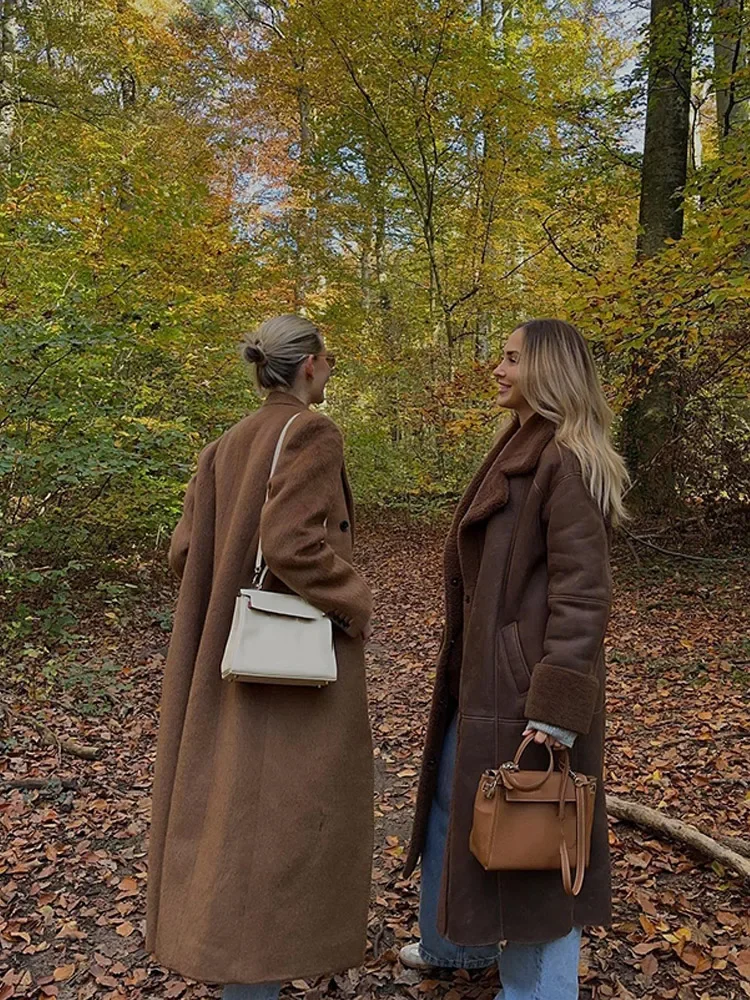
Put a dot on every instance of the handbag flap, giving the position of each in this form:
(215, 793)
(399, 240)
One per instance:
(548, 792)
(289, 605)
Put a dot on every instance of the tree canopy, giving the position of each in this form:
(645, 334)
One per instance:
(417, 177)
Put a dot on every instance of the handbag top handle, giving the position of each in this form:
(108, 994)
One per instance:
(261, 570)
(532, 786)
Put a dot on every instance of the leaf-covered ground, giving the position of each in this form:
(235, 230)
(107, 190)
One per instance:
(72, 853)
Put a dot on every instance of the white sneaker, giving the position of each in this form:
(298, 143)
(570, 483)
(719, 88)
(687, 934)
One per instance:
(411, 957)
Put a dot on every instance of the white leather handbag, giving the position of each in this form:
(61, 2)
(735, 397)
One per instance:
(278, 638)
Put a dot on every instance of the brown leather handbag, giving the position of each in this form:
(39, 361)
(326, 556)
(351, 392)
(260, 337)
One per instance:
(535, 820)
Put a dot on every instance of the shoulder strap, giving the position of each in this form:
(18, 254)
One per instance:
(261, 570)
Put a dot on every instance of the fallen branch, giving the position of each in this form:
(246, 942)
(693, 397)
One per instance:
(70, 746)
(652, 819)
(737, 844)
(675, 554)
(377, 939)
(53, 783)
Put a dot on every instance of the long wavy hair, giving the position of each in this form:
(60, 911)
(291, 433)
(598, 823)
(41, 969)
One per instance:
(559, 380)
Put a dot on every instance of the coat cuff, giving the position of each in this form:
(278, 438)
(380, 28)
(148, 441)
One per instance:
(352, 627)
(565, 736)
(562, 697)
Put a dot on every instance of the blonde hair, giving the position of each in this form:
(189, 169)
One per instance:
(278, 347)
(559, 380)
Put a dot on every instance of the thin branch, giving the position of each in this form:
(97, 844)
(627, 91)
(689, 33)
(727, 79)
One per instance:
(504, 277)
(463, 298)
(688, 425)
(561, 252)
(509, 274)
(675, 553)
(88, 118)
(255, 19)
(377, 118)
(130, 277)
(37, 377)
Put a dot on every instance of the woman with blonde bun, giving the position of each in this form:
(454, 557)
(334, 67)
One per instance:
(261, 836)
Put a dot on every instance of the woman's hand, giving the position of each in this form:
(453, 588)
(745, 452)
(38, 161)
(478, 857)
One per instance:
(540, 737)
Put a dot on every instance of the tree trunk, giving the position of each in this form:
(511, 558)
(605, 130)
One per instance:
(730, 60)
(384, 296)
(8, 97)
(303, 110)
(487, 14)
(667, 125)
(305, 221)
(128, 89)
(650, 422)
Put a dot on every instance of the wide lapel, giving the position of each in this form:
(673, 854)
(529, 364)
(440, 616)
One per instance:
(515, 454)
(471, 490)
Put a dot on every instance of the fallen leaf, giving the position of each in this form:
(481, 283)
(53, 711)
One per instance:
(70, 930)
(742, 961)
(649, 966)
(646, 947)
(692, 955)
(646, 903)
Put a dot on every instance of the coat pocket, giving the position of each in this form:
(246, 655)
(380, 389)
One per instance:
(512, 651)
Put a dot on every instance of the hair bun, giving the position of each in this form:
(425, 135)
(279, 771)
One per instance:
(255, 354)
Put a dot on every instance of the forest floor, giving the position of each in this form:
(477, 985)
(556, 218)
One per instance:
(73, 852)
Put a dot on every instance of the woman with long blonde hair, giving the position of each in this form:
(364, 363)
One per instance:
(527, 598)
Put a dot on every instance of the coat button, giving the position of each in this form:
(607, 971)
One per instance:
(430, 763)
(467, 599)
(455, 581)
(344, 526)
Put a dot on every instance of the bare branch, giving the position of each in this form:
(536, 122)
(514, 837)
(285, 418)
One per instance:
(536, 253)
(254, 18)
(560, 251)
(377, 118)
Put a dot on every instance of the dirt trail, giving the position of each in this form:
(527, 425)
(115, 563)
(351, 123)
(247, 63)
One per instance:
(72, 859)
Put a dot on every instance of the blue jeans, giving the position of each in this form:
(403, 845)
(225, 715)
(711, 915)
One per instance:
(257, 991)
(547, 971)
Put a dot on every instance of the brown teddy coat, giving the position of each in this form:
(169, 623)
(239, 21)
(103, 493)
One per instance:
(261, 836)
(527, 596)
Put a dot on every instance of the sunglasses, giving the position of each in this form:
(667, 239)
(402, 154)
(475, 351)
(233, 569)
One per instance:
(331, 359)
